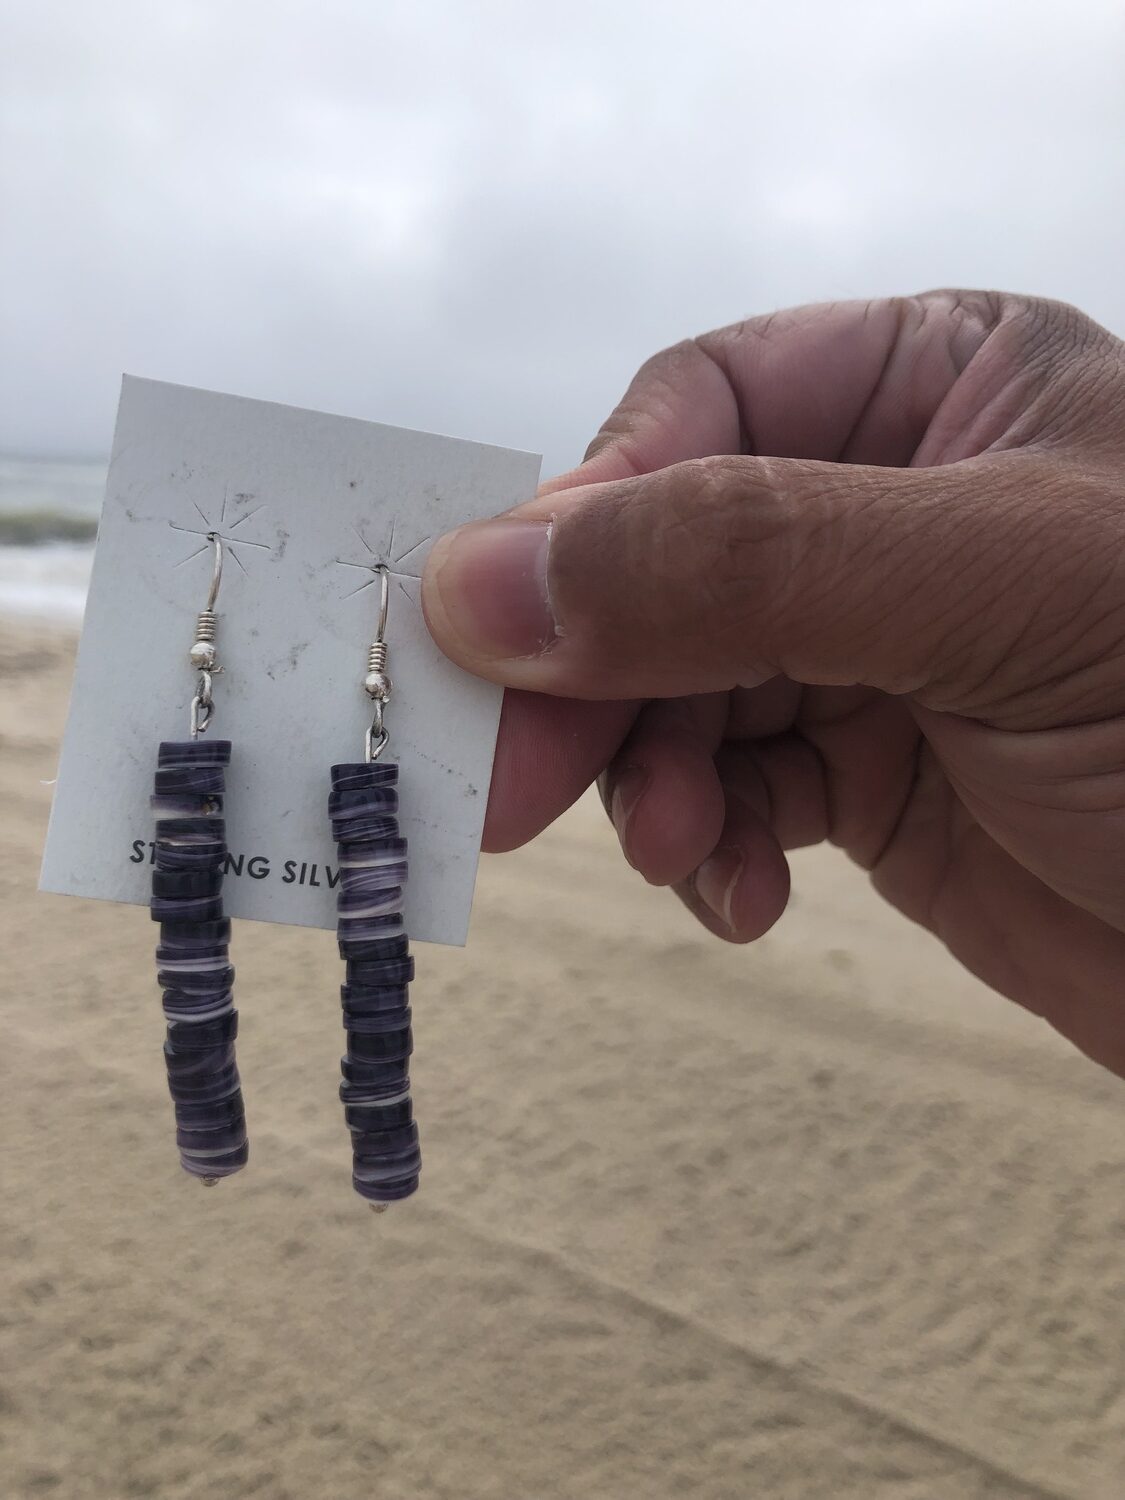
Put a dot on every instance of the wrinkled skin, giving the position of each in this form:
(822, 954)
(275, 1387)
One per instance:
(850, 572)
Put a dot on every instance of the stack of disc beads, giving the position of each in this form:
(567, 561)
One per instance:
(193, 958)
(363, 806)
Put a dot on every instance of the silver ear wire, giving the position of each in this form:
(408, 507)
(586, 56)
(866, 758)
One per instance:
(204, 652)
(377, 685)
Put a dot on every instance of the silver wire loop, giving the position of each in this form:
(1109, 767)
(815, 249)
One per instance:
(375, 743)
(377, 737)
(201, 706)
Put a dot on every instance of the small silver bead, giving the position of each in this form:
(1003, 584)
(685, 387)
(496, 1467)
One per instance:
(203, 654)
(377, 685)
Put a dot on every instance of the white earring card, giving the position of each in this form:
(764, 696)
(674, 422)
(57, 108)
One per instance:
(306, 505)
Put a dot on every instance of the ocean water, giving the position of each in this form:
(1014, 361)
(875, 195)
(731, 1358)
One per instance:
(48, 519)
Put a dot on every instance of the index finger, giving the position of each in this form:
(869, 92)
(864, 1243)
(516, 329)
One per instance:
(856, 382)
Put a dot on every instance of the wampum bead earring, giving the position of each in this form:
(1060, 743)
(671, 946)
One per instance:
(363, 807)
(192, 958)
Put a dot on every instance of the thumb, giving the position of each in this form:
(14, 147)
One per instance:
(725, 571)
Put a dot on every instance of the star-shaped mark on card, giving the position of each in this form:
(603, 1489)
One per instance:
(223, 528)
(400, 566)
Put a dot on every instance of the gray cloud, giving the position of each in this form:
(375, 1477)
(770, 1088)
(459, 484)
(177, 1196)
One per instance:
(480, 218)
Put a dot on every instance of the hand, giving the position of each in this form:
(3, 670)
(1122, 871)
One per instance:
(852, 572)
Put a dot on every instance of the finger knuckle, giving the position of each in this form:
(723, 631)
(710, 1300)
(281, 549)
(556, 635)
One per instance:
(668, 371)
(1046, 326)
(651, 397)
(733, 503)
(726, 523)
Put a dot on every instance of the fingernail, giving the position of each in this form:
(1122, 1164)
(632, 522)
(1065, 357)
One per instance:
(489, 582)
(628, 788)
(715, 882)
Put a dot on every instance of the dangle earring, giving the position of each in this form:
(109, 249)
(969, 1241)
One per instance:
(363, 807)
(192, 959)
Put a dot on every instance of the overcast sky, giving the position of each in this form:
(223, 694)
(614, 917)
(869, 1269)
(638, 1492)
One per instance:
(479, 217)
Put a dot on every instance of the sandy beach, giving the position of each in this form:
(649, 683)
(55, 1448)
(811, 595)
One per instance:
(821, 1218)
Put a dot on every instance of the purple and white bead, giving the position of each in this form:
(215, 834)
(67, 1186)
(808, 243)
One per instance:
(363, 807)
(193, 957)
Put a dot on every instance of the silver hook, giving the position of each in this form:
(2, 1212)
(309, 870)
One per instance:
(204, 653)
(384, 600)
(217, 573)
(377, 685)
